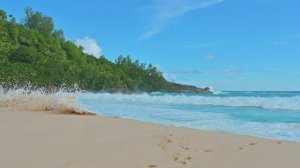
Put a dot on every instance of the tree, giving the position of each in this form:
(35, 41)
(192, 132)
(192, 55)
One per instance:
(59, 34)
(36, 52)
(36, 20)
(25, 54)
(3, 15)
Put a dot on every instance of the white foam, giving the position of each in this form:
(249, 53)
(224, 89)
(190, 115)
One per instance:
(36, 100)
(175, 110)
(220, 93)
(276, 103)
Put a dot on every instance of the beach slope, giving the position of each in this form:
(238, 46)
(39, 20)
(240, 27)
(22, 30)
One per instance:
(48, 140)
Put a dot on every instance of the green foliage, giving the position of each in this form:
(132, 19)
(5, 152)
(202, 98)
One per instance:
(36, 20)
(3, 16)
(25, 55)
(36, 52)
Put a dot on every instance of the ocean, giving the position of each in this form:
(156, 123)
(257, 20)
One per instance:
(266, 114)
(272, 115)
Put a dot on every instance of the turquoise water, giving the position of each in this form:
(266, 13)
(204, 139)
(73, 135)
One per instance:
(273, 115)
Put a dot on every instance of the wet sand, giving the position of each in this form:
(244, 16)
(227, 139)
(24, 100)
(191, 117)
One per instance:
(52, 140)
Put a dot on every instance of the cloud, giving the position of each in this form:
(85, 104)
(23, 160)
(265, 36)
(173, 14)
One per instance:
(166, 10)
(210, 58)
(170, 77)
(90, 46)
(179, 75)
(150, 33)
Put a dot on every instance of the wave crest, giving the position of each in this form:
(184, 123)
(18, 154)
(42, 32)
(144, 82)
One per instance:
(28, 99)
(275, 103)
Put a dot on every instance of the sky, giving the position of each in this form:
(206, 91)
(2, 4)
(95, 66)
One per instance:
(226, 44)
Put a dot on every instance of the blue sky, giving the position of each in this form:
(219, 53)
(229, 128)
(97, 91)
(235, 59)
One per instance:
(227, 44)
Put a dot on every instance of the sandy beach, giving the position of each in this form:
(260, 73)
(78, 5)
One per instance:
(48, 140)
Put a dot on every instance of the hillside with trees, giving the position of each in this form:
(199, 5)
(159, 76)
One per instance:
(35, 52)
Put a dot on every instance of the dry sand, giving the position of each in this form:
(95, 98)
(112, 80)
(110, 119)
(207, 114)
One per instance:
(50, 140)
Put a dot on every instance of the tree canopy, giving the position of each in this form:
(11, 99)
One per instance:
(35, 52)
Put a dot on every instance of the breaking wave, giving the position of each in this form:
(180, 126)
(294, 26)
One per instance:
(274, 103)
(189, 110)
(221, 113)
(28, 99)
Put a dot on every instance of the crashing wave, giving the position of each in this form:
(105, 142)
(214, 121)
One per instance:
(276, 103)
(29, 99)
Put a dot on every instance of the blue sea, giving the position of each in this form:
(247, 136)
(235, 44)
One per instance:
(272, 115)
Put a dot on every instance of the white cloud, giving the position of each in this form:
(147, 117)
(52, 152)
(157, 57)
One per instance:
(210, 58)
(166, 10)
(150, 33)
(170, 77)
(90, 46)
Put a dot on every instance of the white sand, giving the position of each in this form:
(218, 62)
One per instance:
(49, 140)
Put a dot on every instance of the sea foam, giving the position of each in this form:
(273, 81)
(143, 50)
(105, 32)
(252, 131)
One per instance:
(265, 117)
(28, 99)
(276, 103)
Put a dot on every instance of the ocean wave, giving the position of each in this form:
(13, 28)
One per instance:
(27, 99)
(179, 110)
(276, 103)
(220, 93)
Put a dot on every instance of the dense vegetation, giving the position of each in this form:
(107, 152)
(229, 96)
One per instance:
(37, 53)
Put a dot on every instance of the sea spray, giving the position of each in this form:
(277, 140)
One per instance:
(29, 98)
(274, 115)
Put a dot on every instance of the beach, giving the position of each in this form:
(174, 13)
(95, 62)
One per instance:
(162, 84)
(35, 139)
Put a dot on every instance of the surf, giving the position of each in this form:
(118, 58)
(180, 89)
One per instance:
(61, 100)
(274, 103)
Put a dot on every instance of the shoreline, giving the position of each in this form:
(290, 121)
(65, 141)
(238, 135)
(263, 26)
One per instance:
(84, 113)
(195, 129)
(51, 139)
